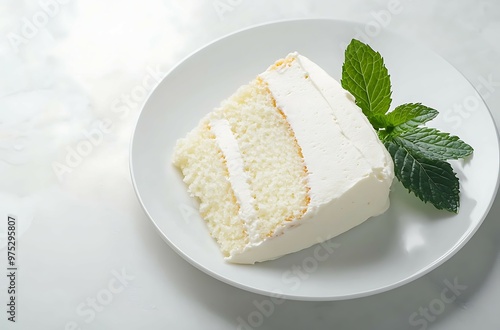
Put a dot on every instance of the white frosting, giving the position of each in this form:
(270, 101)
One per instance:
(349, 170)
(353, 122)
(237, 175)
(367, 198)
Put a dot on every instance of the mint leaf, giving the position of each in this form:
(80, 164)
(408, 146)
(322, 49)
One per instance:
(365, 76)
(404, 117)
(431, 143)
(379, 121)
(410, 115)
(430, 180)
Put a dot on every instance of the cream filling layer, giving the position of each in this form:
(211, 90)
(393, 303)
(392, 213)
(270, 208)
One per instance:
(238, 178)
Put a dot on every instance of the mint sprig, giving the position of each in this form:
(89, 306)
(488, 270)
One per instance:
(419, 153)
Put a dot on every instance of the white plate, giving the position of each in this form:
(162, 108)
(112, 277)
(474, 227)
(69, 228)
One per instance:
(406, 242)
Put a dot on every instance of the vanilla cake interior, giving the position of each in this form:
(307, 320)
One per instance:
(286, 162)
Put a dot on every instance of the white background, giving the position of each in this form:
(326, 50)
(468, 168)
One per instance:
(67, 65)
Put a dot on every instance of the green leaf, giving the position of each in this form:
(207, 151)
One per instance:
(433, 144)
(365, 76)
(430, 180)
(378, 121)
(410, 115)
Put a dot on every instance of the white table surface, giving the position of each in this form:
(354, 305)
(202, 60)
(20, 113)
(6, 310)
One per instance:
(88, 256)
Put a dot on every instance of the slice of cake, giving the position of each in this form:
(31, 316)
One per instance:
(286, 162)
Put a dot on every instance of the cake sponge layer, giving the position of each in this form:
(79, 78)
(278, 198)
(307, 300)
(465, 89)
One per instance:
(272, 158)
(204, 168)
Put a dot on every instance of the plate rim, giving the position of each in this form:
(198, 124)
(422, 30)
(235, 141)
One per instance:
(422, 272)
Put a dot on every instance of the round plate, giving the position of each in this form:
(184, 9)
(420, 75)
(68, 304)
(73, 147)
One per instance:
(406, 242)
